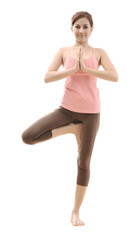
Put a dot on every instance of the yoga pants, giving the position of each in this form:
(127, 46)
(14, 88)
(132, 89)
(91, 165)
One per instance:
(41, 131)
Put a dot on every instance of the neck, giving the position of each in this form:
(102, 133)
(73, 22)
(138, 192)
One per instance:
(83, 44)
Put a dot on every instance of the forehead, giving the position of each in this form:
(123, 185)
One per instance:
(82, 21)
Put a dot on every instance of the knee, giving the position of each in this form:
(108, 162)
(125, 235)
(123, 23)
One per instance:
(83, 162)
(83, 170)
(83, 176)
(26, 139)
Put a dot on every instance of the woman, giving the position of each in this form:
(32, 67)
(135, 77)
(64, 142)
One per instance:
(79, 112)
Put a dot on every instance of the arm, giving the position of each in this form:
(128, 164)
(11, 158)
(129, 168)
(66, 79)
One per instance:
(53, 74)
(110, 72)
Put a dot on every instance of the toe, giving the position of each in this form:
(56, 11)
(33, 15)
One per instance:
(81, 223)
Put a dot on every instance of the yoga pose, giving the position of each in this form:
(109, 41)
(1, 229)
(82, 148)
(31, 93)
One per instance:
(79, 111)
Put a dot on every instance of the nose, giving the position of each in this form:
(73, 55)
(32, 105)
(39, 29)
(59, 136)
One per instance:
(81, 30)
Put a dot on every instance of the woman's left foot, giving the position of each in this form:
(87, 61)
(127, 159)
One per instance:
(75, 220)
(77, 131)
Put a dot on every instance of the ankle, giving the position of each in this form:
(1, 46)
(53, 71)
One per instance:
(75, 211)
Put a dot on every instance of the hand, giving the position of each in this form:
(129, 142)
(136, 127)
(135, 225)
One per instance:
(77, 62)
(82, 64)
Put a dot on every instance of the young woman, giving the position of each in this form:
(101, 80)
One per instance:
(79, 112)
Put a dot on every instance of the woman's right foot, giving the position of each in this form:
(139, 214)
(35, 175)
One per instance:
(74, 128)
(77, 131)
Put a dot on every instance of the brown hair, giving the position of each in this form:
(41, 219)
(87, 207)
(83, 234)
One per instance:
(81, 14)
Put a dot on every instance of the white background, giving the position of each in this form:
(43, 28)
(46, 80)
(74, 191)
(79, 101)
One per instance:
(37, 183)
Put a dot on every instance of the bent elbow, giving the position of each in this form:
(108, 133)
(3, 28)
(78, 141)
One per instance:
(117, 78)
(45, 78)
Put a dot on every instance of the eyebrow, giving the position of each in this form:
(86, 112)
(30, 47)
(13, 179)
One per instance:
(83, 24)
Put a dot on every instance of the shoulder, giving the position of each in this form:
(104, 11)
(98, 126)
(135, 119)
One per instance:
(100, 51)
(63, 48)
(62, 51)
(98, 54)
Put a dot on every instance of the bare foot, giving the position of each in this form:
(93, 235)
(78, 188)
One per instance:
(77, 131)
(75, 220)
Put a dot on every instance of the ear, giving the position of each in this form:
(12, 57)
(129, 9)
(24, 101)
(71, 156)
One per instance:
(92, 28)
(71, 28)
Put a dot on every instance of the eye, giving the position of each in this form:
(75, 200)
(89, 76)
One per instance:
(84, 27)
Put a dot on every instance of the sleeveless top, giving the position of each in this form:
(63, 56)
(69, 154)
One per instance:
(80, 91)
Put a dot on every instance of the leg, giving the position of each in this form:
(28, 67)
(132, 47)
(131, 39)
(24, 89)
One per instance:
(89, 131)
(41, 130)
(88, 135)
(79, 197)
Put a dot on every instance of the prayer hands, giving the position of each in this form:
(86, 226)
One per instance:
(81, 60)
(80, 65)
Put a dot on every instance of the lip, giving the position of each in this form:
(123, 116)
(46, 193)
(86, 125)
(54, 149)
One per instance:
(81, 35)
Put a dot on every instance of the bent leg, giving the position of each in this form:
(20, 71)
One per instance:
(41, 130)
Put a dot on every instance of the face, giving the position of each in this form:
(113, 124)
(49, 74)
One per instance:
(82, 29)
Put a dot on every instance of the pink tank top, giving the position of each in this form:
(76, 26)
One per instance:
(80, 91)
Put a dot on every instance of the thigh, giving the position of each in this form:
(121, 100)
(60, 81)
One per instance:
(52, 120)
(88, 135)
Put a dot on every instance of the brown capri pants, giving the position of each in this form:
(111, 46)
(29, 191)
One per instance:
(41, 131)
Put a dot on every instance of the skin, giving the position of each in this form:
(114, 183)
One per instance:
(81, 43)
(81, 50)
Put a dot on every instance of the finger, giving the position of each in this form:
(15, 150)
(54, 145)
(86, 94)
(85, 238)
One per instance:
(80, 54)
(79, 51)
